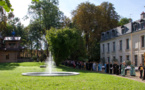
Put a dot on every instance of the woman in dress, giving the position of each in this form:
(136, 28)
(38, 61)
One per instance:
(123, 69)
(132, 70)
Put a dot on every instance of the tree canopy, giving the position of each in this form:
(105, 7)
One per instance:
(63, 43)
(92, 20)
(124, 21)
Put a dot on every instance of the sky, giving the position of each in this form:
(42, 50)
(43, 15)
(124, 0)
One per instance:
(125, 8)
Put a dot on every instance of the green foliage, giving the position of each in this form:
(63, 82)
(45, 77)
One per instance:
(124, 21)
(115, 60)
(92, 20)
(6, 5)
(34, 58)
(128, 62)
(42, 57)
(11, 79)
(63, 43)
(46, 12)
(15, 24)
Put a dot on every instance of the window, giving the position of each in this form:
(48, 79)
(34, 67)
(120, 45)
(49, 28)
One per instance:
(11, 45)
(120, 44)
(135, 26)
(127, 57)
(120, 59)
(123, 31)
(135, 59)
(142, 41)
(103, 48)
(142, 59)
(113, 46)
(114, 58)
(102, 36)
(127, 43)
(109, 59)
(108, 47)
(7, 56)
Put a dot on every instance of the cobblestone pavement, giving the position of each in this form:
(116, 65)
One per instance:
(133, 77)
(136, 78)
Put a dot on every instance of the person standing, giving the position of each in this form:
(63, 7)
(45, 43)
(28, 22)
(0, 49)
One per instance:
(96, 66)
(140, 68)
(111, 67)
(120, 68)
(99, 67)
(90, 66)
(87, 65)
(132, 70)
(117, 69)
(105, 67)
(123, 69)
(144, 74)
(114, 68)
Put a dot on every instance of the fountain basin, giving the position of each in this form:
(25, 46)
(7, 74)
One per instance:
(50, 74)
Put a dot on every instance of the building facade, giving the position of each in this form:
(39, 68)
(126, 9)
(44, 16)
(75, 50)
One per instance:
(125, 42)
(9, 49)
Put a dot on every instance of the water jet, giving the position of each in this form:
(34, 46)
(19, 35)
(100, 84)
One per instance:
(50, 66)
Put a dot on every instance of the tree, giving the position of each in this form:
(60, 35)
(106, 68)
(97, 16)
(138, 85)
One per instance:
(123, 21)
(47, 13)
(35, 34)
(66, 22)
(6, 5)
(4, 18)
(92, 20)
(62, 42)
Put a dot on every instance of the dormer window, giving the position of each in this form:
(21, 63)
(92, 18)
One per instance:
(123, 29)
(103, 35)
(135, 26)
(142, 24)
(113, 33)
(108, 34)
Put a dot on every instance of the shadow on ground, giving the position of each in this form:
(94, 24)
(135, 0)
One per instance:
(8, 66)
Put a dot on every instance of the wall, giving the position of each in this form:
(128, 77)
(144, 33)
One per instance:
(12, 56)
(134, 44)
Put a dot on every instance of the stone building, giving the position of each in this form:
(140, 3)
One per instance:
(125, 42)
(9, 49)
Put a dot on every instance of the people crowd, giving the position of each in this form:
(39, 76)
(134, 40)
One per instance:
(115, 68)
(91, 66)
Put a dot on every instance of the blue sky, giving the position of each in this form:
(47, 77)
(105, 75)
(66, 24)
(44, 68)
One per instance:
(125, 8)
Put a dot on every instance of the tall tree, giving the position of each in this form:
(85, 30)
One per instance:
(35, 35)
(92, 20)
(83, 17)
(47, 13)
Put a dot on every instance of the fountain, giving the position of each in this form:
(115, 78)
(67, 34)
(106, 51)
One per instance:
(50, 66)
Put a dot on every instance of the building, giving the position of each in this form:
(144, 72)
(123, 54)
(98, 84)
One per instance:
(125, 42)
(9, 49)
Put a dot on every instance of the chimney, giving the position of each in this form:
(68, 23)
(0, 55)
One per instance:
(143, 15)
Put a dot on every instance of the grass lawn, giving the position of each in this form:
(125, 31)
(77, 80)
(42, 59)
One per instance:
(11, 79)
